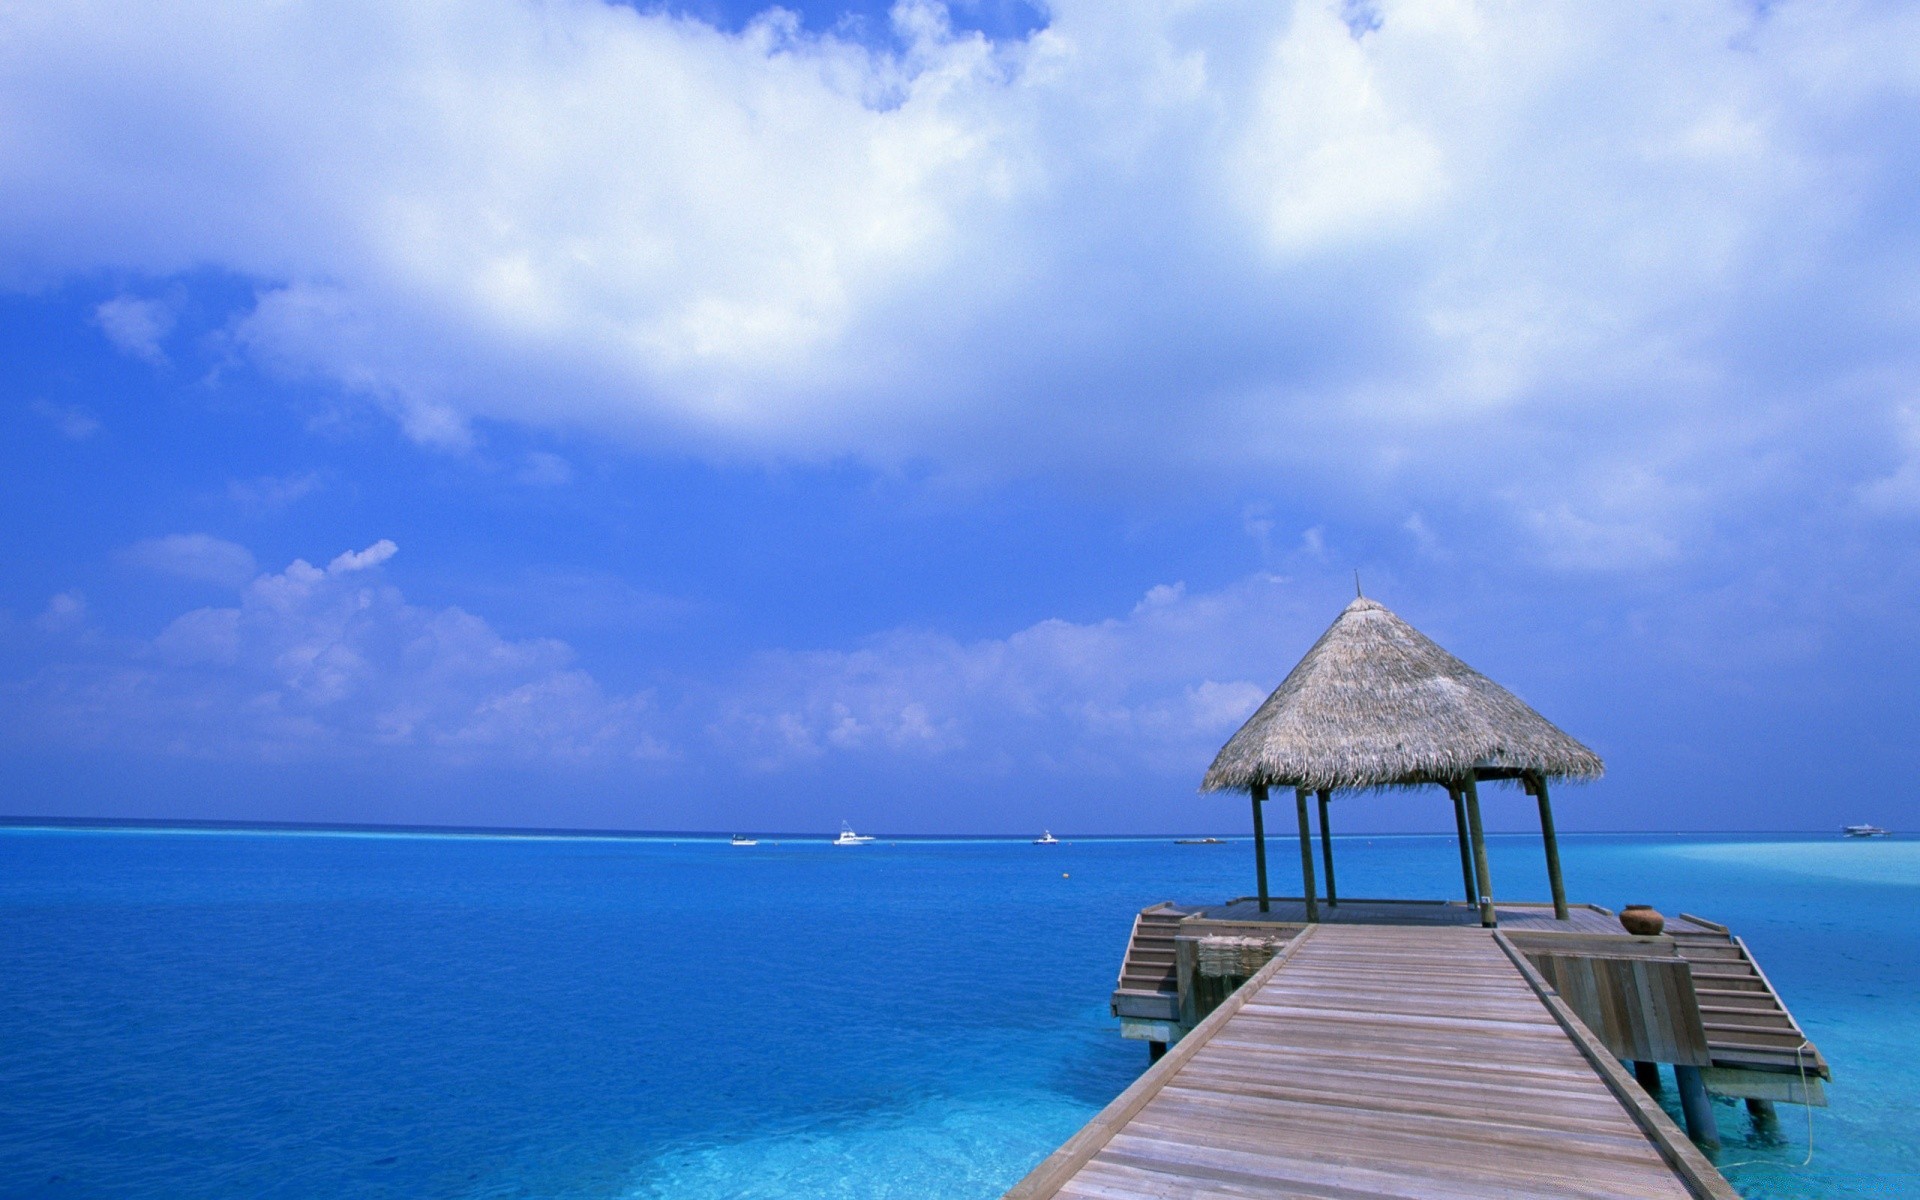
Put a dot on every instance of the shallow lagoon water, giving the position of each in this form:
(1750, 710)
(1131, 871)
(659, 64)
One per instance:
(242, 1014)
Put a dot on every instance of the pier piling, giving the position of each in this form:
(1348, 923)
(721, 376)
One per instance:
(1696, 1106)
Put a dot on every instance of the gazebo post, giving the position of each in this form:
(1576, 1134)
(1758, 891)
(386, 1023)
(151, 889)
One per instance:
(1537, 784)
(1259, 791)
(1306, 855)
(1466, 843)
(1326, 847)
(1482, 876)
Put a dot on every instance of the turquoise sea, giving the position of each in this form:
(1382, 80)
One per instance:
(228, 1014)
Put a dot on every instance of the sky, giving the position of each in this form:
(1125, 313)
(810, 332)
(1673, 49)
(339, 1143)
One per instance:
(946, 419)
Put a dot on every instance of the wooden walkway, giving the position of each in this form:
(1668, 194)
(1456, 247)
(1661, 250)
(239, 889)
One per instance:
(1383, 1061)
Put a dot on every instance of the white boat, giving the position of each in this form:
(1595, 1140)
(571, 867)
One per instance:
(740, 840)
(1865, 831)
(849, 838)
(1046, 838)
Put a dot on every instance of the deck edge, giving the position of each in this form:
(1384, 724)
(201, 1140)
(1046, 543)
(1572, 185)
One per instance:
(1053, 1172)
(1699, 1174)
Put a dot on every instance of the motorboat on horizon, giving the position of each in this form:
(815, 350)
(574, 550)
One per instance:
(743, 840)
(1046, 838)
(849, 838)
(1864, 831)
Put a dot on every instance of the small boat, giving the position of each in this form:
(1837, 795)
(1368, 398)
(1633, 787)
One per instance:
(849, 838)
(1865, 831)
(1196, 841)
(1046, 838)
(742, 840)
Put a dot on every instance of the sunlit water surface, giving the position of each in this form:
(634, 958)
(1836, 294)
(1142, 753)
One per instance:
(262, 1014)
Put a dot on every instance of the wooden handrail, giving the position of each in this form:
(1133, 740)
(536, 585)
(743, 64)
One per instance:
(1693, 1167)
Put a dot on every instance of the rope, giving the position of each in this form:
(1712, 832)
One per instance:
(1800, 1062)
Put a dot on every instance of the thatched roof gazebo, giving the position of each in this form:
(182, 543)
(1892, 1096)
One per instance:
(1376, 704)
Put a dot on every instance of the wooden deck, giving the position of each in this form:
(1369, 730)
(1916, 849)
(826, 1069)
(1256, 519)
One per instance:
(1402, 1061)
(1582, 918)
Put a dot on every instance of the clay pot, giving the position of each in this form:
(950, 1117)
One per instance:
(1642, 919)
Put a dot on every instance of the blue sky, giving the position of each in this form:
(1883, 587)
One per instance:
(569, 414)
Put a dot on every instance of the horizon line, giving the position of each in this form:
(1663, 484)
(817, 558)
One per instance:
(530, 831)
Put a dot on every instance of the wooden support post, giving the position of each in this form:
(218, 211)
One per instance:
(1648, 1076)
(1466, 844)
(1155, 1050)
(1326, 847)
(1538, 786)
(1696, 1106)
(1483, 878)
(1306, 856)
(1260, 843)
(1765, 1122)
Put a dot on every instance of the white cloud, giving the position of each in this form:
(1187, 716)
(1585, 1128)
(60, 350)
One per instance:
(1156, 690)
(197, 556)
(324, 665)
(137, 327)
(543, 469)
(65, 611)
(72, 421)
(319, 664)
(1575, 267)
(361, 560)
(271, 493)
(1899, 492)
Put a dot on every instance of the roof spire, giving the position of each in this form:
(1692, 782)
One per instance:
(1357, 593)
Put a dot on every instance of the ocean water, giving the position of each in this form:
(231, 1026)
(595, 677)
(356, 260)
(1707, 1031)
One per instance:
(190, 1013)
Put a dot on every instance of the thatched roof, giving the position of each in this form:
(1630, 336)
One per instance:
(1376, 703)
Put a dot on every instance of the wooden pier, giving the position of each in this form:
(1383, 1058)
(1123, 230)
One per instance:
(1371, 1060)
(1338, 1048)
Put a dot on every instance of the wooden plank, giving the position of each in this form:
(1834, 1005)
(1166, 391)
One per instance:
(1642, 1009)
(1715, 926)
(1054, 1170)
(1701, 1177)
(1152, 1006)
(1799, 1087)
(1616, 942)
(1376, 1061)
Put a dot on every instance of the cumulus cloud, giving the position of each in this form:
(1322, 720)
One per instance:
(200, 557)
(317, 663)
(1899, 492)
(361, 560)
(1606, 273)
(543, 469)
(1155, 690)
(333, 664)
(65, 611)
(72, 421)
(271, 493)
(136, 326)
